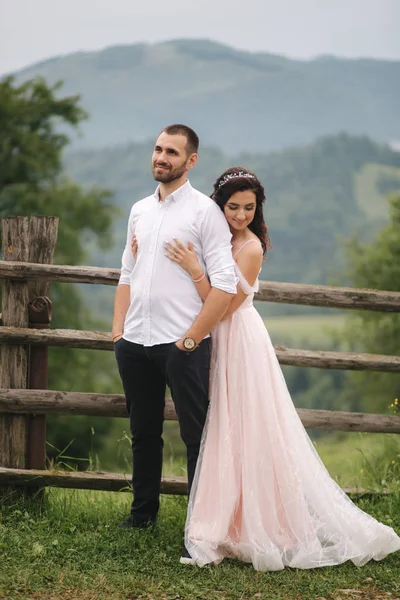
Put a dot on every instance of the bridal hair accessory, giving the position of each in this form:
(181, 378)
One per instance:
(230, 176)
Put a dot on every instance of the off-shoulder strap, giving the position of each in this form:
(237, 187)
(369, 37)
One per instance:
(243, 245)
(244, 284)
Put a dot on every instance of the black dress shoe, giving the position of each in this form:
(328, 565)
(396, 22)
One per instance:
(185, 558)
(132, 523)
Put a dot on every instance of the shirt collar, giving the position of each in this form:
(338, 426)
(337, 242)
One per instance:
(177, 194)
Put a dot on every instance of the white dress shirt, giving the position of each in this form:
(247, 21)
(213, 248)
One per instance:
(164, 300)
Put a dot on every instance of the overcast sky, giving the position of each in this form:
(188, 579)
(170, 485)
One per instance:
(32, 30)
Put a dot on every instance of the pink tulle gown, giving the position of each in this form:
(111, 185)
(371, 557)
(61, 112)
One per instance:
(261, 493)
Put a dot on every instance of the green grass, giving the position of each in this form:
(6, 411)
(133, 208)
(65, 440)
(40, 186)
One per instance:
(360, 459)
(369, 198)
(71, 547)
(315, 329)
(345, 455)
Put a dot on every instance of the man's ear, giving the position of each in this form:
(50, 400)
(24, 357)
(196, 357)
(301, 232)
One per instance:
(193, 158)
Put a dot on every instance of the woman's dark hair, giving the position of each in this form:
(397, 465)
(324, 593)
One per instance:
(238, 179)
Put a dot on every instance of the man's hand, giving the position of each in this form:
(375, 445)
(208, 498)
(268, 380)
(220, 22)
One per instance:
(179, 344)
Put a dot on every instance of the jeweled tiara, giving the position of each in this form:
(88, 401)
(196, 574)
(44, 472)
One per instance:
(230, 176)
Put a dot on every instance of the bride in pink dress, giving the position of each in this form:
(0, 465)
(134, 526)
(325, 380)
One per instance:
(261, 493)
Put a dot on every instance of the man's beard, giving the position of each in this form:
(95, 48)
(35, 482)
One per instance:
(169, 175)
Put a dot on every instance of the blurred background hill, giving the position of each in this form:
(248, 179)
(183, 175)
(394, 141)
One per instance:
(236, 100)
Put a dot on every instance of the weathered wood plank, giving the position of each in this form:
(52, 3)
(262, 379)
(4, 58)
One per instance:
(62, 273)
(14, 359)
(349, 421)
(69, 403)
(113, 405)
(270, 291)
(70, 338)
(112, 482)
(329, 296)
(99, 340)
(350, 361)
(43, 231)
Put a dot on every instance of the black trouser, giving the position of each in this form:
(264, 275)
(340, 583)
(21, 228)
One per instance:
(145, 371)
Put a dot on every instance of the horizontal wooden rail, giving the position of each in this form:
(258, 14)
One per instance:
(350, 361)
(98, 340)
(271, 291)
(68, 274)
(328, 296)
(112, 482)
(50, 402)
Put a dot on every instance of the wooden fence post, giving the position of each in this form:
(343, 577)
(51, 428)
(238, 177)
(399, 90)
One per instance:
(14, 358)
(22, 438)
(42, 242)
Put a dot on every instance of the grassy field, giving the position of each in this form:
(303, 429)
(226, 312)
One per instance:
(369, 198)
(366, 460)
(360, 459)
(314, 329)
(347, 456)
(72, 548)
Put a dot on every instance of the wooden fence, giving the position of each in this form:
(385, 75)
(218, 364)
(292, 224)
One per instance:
(27, 249)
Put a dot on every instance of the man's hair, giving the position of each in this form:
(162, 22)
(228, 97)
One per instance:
(192, 144)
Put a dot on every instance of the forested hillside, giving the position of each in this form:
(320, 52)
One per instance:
(315, 195)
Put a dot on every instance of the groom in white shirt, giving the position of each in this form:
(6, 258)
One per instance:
(161, 328)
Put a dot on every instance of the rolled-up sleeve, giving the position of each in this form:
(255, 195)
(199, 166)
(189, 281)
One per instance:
(128, 262)
(217, 251)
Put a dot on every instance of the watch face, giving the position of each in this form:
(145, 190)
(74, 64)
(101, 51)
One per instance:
(189, 343)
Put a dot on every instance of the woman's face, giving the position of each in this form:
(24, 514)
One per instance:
(240, 210)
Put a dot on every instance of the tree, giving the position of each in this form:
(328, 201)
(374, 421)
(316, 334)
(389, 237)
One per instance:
(31, 171)
(375, 265)
(33, 124)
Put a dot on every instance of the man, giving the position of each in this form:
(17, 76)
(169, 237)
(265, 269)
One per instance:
(160, 327)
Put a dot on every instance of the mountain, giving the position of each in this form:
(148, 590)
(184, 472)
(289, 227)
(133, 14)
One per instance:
(316, 195)
(236, 100)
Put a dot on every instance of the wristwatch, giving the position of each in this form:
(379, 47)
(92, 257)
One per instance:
(189, 344)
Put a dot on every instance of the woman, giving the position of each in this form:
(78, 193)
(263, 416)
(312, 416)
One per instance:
(261, 493)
